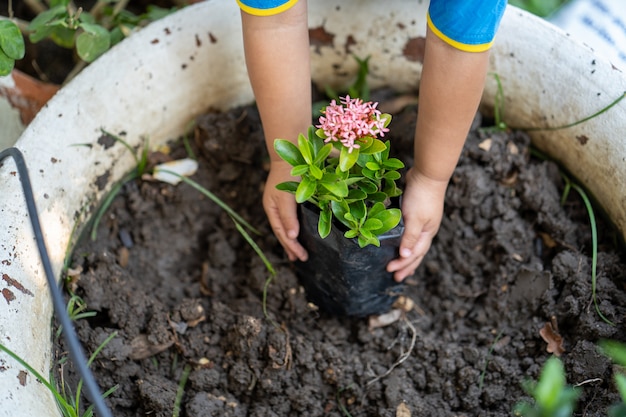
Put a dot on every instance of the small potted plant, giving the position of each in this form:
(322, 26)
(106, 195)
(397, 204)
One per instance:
(351, 223)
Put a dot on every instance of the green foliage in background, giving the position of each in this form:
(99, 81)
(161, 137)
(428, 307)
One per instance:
(542, 8)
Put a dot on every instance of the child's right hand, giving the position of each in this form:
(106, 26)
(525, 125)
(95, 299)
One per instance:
(281, 210)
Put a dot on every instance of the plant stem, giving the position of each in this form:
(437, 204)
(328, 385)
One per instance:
(181, 390)
(594, 248)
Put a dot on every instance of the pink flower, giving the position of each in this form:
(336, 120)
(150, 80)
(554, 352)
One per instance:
(351, 121)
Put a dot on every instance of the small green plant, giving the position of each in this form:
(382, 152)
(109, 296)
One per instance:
(11, 46)
(76, 310)
(89, 32)
(616, 351)
(542, 8)
(553, 397)
(354, 186)
(69, 404)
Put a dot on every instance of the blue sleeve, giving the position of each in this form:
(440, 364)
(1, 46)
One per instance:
(467, 25)
(265, 7)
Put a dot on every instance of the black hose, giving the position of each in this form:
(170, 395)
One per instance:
(75, 348)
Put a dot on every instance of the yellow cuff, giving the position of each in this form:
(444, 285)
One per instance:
(266, 12)
(458, 45)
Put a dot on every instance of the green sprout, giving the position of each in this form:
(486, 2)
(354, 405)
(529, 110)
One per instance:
(616, 351)
(69, 404)
(553, 397)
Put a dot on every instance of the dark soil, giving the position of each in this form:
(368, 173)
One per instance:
(172, 276)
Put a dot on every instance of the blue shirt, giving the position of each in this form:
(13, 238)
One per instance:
(469, 25)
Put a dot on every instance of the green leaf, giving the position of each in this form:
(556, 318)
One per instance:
(377, 197)
(338, 188)
(377, 146)
(305, 148)
(352, 233)
(393, 163)
(289, 152)
(316, 172)
(370, 174)
(299, 170)
(373, 166)
(6, 64)
(551, 383)
(367, 238)
(93, 42)
(614, 350)
(322, 154)
(11, 40)
(620, 382)
(356, 194)
(392, 175)
(340, 210)
(305, 190)
(376, 209)
(358, 210)
(389, 219)
(290, 186)
(63, 36)
(325, 222)
(44, 18)
(368, 186)
(372, 225)
(347, 159)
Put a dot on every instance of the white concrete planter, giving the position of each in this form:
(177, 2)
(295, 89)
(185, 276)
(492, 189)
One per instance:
(155, 82)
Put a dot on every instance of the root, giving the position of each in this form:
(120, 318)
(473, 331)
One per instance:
(403, 355)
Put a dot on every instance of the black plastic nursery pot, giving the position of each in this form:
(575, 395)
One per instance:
(342, 278)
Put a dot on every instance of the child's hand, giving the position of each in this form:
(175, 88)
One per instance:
(422, 209)
(280, 208)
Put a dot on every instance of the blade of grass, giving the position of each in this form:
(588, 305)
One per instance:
(181, 390)
(481, 380)
(89, 362)
(583, 120)
(60, 400)
(594, 249)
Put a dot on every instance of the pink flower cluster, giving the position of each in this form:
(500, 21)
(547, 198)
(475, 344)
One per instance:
(351, 121)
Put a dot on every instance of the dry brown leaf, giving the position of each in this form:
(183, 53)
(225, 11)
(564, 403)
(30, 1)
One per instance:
(553, 339)
(403, 410)
(142, 348)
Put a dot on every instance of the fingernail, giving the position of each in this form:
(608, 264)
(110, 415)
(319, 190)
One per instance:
(405, 252)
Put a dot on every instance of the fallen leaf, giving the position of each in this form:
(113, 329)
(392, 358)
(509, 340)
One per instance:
(142, 348)
(553, 339)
